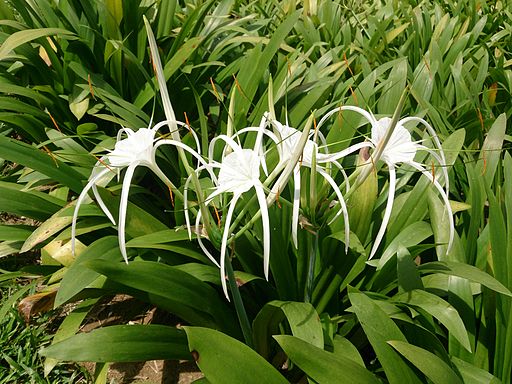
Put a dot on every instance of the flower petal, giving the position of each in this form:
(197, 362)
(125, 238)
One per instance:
(387, 211)
(266, 227)
(296, 204)
(79, 202)
(446, 201)
(224, 244)
(123, 205)
(343, 209)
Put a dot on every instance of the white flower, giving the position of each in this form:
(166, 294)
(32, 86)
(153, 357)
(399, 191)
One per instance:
(137, 149)
(289, 142)
(400, 149)
(238, 172)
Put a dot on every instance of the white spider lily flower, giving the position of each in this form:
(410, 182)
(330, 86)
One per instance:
(238, 172)
(401, 149)
(137, 149)
(290, 138)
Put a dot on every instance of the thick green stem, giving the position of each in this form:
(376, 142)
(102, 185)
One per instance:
(331, 290)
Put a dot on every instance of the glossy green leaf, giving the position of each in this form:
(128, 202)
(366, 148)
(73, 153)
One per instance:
(122, 343)
(170, 288)
(78, 277)
(223, 359)
(323, 366)
(21, 37)
(301, 317)
(440, 309)
(380, 329)
(29, 156)
(466, 271)
(432, 366)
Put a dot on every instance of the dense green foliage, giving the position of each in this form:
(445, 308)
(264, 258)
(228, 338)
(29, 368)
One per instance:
(73, 73)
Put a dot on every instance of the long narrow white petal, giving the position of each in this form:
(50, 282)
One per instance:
(296, 205)
(345, 176)
(228, 140)
(387, 212)
(361, 111)
(446, 201)
(224, 244)
(266, 227)
(200, 241)
(79, 202)
(343, 209)
(324, 158)
(442, 165)
(123, 205)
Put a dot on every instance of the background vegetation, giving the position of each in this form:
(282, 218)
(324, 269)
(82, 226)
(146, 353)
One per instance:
(72, 73)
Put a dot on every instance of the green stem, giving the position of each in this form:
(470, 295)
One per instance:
(239, 305)
(331, 290)
(312, 252)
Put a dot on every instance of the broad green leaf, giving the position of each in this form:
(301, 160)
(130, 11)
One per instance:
(223, 359)
(380, 329)
(302, 318)
(14, 232)
(407, 272)
(21, 37)
(78, 277)
(440, 309)
(122, 343)
(29, 156)
(177, 291)
(323, 366)
(432, 366)
(50, 227)
(408, 237)
(466, 271)
(491, 149)
(27, 204)
(472, 374)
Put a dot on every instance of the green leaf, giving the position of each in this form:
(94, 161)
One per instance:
(432, 366)
(466, 271)
(407, 272)
(407, 237)
(50, 227)
(22, 203)
(223, 359)
(323, 366)
(474, 375)
(302, 318)
(380, 329)
(31, 157)
(122, 343)
(441, 310)
(78, 277)
(21, 37)
(171, 289)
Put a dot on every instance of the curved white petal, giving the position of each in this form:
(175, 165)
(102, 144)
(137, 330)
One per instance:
(343, 209)
(266, 227)
(200, 241)
(296, 204)
(324, 158)
(224, 244)
(79, 202)
(387, 212)
(442, 165)
(361, 111)
(446, 201)
(123, 205)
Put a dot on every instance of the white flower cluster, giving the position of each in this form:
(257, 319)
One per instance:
(241, 170)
